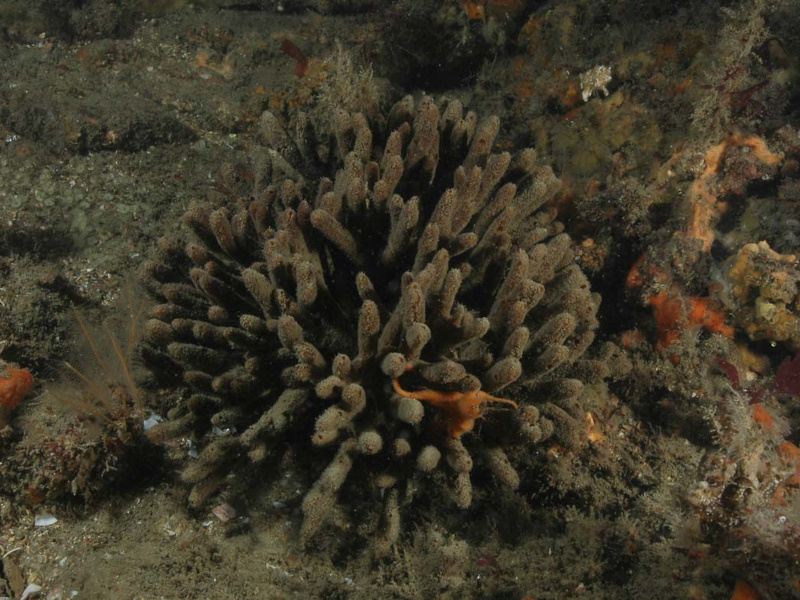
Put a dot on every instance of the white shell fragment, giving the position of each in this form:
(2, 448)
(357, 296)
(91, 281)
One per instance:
(44, 520)
(32, 591)
(224, 512)
(191, 451)
(222, 432)
(152, 421)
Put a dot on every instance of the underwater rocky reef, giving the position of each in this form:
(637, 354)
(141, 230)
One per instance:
(412, 299)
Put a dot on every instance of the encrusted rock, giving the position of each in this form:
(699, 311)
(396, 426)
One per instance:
(764, 294)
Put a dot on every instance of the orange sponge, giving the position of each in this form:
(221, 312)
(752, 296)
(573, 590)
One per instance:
(13, 388)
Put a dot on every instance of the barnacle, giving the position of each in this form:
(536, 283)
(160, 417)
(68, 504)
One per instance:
(420, 255)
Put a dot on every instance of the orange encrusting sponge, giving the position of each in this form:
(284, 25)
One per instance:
(13, 388)
(673, 314)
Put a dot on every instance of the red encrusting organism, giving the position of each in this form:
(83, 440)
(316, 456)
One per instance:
(787, 379)
(290, 49)
(14, 386)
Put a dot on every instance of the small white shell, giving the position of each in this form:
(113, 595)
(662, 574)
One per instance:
(152, 421)
(32, 591)
(44, 520)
